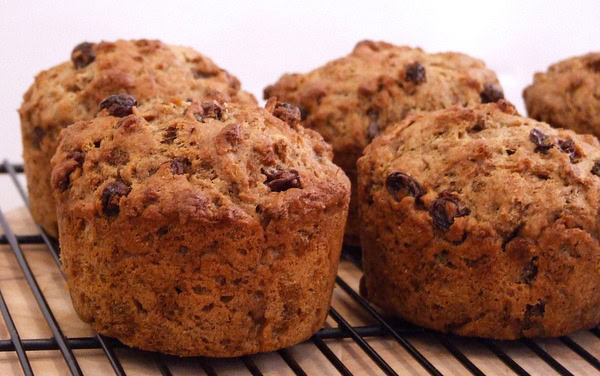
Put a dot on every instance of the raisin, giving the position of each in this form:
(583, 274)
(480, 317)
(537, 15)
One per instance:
(415, 73)
(596, 168)
(530, 271)
(491, 93)
(443, 258)
(37, 137)
(445, 208)
(197, 73)
(180, 165)
(477, 127)
(536, 310)
(110, 197)
(541, 141)
(512, 236)
(287, 112)
(282, 180)
(169, 136)
(64, 182)
(373, 128)
(594, 66)
(78, 156)
(75, 160)
(233, 134)
(83, 55)
(303, 114)
(211, 110)
(119, 105)
(399, 181)
(569, 147)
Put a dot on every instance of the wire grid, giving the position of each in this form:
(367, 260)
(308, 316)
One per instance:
(397, 330)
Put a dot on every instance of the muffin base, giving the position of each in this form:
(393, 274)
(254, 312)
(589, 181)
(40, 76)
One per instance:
(220, 289)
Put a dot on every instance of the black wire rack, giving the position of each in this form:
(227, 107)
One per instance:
(402, 333)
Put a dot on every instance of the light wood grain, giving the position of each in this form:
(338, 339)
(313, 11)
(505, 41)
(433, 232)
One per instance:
(31, 324)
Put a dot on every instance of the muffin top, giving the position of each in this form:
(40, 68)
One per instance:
(194, 161)
(568, 94)
(352, 99)
(474, 174)
(145, 69)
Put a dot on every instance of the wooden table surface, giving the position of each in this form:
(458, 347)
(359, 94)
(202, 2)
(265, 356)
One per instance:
(31, 324)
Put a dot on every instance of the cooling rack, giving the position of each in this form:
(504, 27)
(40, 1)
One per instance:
(356, 339)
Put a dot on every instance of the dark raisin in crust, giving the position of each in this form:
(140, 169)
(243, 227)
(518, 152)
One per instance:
(111, 195)
(415, 73)
(119, 104)
(83, 55)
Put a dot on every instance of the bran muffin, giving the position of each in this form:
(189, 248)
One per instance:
(352, 99)
(481, 222)
(73, 90)
(568, 94)
(200, 228)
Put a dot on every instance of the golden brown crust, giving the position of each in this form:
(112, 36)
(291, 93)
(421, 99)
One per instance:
(352, 99)
(199, 228)
(481, 222)
(73, 90)
(568, 94)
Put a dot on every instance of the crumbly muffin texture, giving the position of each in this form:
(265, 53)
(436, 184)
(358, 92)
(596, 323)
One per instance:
(199, 228)
(481, 222)
(73, 90)
(568, 94)
(353, 99)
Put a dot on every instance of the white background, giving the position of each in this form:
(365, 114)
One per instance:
(258, 41)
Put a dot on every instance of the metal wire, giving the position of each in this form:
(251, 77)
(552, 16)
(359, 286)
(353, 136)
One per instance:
(15, 338)
(580, 351)
(53, 247)
(208, 369)
(399, 331)
(249, 363)
(400, 339)
(547, 358)
(291, 362)
(39, 297)
(24, 239)
(382, 364)
(458, 355)
(514, 366)
(110, 354)
(16, 168)
(162, 365)
(333, 359)
(12, 170)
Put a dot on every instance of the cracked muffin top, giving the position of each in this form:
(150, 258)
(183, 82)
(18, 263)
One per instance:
(481, 222)
(203, 161)
(567, 95)
(487, 165)
(76, 90)
(352, 99)
(72, 91)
